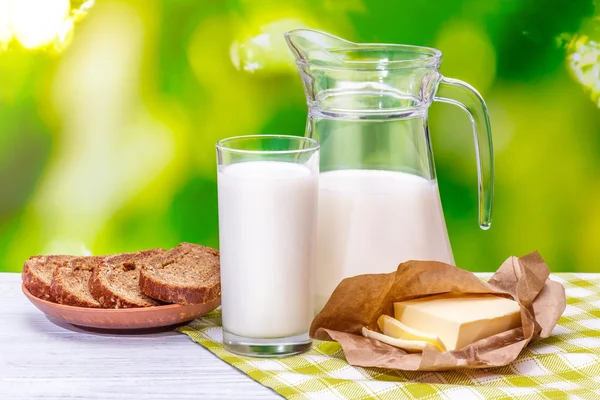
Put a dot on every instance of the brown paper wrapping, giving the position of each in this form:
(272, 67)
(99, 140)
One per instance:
(360, 300)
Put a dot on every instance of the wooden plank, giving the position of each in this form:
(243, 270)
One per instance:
(43, 359)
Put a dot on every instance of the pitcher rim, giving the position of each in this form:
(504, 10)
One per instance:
(428, 56)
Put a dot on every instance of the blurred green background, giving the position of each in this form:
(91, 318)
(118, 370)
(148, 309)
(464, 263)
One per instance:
(109, 113)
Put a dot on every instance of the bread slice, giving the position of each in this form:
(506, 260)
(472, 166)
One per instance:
(70, 282)
(187, 274)
(37, 274)
(115, 283)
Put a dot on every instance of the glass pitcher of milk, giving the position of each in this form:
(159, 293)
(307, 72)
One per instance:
(379, 203)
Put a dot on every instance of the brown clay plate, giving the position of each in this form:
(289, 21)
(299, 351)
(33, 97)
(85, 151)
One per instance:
(125, 318)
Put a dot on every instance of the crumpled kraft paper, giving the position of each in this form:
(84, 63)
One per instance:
(360, 300)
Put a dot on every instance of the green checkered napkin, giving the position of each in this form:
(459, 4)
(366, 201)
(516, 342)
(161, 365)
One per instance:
(565, 365)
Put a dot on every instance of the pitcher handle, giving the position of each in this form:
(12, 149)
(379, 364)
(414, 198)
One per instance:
(462, 94)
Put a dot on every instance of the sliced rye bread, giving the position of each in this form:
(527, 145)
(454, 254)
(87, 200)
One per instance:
(187, 274)
(115, 283)
(70, 282)
(37, 274)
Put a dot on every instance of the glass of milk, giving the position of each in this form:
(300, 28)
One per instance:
(268, 186)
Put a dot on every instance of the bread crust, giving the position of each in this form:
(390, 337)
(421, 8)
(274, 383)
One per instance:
(172, 293)
(62, 284)
(34, 282)
(104, 295)
(36, 286)
(101, 289)
(154, 286)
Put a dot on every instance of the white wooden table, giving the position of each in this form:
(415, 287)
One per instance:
(44, 359)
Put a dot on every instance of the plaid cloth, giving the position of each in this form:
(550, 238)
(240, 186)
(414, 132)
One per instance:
(565, 365)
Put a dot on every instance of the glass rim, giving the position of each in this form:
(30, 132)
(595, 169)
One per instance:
(222, 144)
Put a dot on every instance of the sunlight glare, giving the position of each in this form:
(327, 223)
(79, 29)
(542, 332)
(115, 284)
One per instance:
(5, 28)
(584, 64)
(36, 23)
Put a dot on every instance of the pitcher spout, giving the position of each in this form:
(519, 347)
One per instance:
(310, 45)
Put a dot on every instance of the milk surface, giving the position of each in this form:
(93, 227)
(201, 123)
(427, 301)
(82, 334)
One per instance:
(267, 224)
(370, 221)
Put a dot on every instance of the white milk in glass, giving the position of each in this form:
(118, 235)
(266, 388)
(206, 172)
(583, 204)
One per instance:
(267, 214)
(370, 221)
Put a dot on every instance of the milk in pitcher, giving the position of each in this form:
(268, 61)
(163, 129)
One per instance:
(372, 220)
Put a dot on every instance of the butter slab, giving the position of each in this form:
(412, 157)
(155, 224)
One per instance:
(459, 319)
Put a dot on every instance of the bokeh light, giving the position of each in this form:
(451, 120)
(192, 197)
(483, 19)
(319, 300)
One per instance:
(40, 23)
(267, 49)
(584, 64)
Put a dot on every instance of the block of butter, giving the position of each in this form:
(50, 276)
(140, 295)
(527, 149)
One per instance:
(459, 319)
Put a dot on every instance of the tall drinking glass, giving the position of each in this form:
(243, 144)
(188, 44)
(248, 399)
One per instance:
(268, 189)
